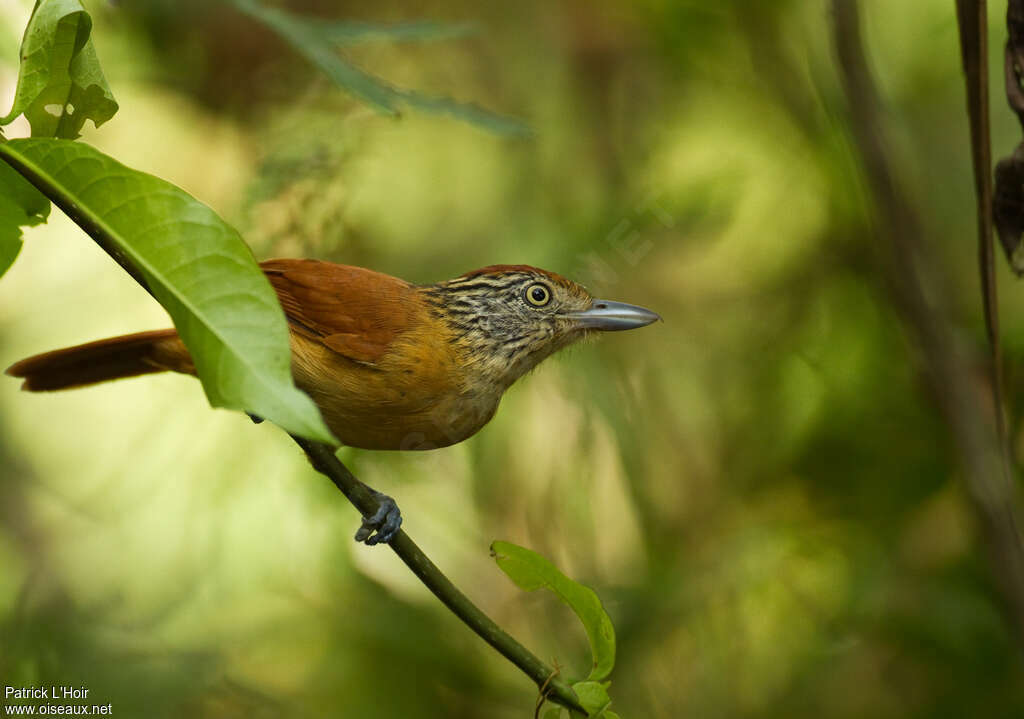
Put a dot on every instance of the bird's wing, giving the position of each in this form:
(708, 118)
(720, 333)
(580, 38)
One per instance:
(354, 311)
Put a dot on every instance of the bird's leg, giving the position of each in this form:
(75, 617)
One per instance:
(383, 525)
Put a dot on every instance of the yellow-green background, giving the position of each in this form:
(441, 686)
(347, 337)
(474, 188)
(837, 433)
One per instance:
(759, 488)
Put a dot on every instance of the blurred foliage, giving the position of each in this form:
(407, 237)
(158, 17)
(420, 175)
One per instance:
(758, 488)
(317, 39)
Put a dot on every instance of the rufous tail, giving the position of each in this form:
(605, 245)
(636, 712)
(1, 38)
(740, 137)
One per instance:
(104, 360)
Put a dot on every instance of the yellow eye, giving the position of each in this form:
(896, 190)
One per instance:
(538, 295)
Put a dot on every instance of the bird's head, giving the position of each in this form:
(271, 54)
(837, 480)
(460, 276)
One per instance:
(507, 318)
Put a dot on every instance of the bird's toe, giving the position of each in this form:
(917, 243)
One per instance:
(383, 525)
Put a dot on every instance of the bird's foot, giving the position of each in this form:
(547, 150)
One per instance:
(383, 525)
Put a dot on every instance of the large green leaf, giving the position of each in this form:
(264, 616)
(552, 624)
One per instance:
(531, 571)
(196, 266)
(316, 39)
(61, 84)
(21, 205)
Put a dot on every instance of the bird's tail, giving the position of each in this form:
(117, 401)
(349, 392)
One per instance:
(103, 360)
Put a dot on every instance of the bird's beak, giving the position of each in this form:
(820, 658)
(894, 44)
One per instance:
(611, 316)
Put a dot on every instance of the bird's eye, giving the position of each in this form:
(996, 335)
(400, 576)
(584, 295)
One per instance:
(538, 295)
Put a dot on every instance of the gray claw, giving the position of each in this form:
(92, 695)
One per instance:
(383, 525)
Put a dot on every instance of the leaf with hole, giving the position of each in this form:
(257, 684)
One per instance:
(194, 264)
(530, 571)
(61, 83)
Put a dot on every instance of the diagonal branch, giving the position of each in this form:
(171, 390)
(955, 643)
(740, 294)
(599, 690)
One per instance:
(945, 358)
(324, 460)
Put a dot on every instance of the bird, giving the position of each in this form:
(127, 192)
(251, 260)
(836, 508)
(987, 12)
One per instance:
(391, 365)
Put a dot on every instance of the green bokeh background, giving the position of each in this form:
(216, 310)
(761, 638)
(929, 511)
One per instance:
(759, 488)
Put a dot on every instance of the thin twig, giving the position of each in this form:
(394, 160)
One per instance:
(324, 460)
(946, 360)
(542, 696)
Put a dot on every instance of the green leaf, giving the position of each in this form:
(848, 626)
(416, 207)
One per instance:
(61, 84)
(593, 696)
(531, 571)
(352, 33)
(465, 111)
(315, 39)
(193, 263)
(304, 36)
(21, 205)
(10, 248)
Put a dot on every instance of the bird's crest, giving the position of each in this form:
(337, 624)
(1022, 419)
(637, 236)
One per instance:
(518, 269)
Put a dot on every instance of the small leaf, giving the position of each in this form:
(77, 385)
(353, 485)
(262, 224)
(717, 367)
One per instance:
(531, 571)
(315, 39)
(352, 33)
(467, 112)
(60, 84)
(193, 263)
(304, 36)
(593, 696)
(21, 205)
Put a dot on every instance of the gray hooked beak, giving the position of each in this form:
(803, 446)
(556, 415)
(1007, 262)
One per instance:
(612, 316)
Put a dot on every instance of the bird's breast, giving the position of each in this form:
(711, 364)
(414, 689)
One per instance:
(416, 396)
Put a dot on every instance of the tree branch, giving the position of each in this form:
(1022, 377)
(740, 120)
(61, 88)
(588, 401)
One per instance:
(545, 677)
(945, 358)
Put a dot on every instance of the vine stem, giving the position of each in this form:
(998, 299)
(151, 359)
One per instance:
(324, 461)
(972, 20)
(946, 359)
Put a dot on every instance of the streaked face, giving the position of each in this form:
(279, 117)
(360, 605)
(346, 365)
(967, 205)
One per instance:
(513, 316)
